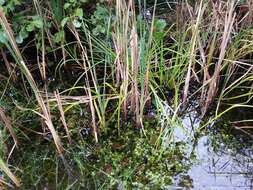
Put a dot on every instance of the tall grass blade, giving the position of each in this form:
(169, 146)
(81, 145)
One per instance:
(8, 172)
(7, 122)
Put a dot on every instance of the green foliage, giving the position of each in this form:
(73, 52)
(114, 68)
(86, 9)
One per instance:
(160, 27)
(100, 19)
(23, 22)
(32, 25)
(73, 12)
(26, 22)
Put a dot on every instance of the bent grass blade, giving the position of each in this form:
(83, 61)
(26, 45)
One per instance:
(8, 172)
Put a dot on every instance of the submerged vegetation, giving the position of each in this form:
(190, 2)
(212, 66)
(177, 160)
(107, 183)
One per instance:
(91, 93)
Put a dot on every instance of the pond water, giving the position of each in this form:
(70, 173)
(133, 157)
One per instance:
(223, 161)
(217, 158)
(222, 169)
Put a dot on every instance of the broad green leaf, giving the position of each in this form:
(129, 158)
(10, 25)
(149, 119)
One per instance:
(67, 5)
(79, 13)
(64, 21)
(37, 21)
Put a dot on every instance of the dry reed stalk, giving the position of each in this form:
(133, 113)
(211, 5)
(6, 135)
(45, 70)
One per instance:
(2, 77)
(87, 67)
(121, 40)
(59, 104)
(135, 62)
(8, 172)
(214, 81)
(42, 65)
(127, 60)
(147, 98)
(45, 112)
(92, 108)
(243, 129)
(212, 47)
(206, 75)
(195, 32)
(244, 16)
(8, 65)
(135, 71)
(80, 99)
(3, 184)
(7, 122)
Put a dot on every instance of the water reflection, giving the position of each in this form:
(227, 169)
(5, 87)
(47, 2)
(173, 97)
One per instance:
(223, 161)
(221, 169)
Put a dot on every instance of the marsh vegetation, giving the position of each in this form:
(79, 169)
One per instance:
(114, 94)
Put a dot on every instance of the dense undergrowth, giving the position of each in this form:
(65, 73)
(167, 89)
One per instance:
(77, 75)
